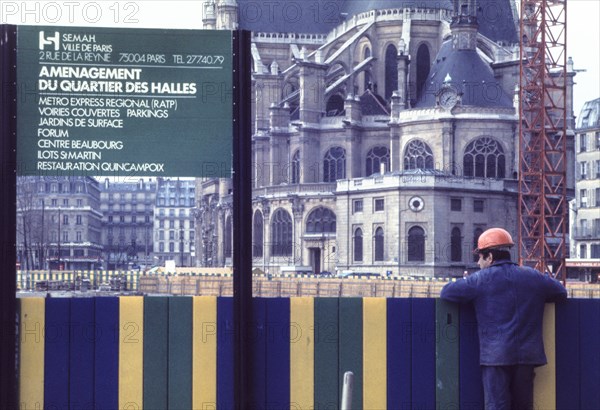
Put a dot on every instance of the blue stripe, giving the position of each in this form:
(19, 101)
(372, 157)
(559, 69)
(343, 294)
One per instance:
(589, 327)
(423, 353)
(258, 344)
(470, 385)
(56, 354)
(106, 369)
(83, 332)
(567, 355)
(225, 343)
(399, 354)
(278, 357)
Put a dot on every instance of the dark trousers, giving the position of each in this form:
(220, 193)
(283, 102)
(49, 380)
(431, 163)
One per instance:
(508, 387)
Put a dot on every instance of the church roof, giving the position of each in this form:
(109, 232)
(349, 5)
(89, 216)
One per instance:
(372, 104)
(473, 77)
(496, 18)
(315, 16)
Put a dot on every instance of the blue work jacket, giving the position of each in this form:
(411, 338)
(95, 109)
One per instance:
(509, 304)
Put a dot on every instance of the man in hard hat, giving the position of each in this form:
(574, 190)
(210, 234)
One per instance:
(509, 305)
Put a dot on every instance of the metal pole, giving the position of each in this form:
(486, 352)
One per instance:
(347, 390)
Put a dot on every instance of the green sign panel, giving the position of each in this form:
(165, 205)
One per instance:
(119, 102)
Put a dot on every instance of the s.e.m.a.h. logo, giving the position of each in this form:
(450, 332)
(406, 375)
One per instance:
(48, 40)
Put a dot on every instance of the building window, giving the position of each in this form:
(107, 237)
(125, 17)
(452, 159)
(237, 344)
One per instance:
(358, 245)
(281, 233)
(379, 204)
(455, 204)
(595, 248)
(65, 236)
(583, 170)
(161, 235)
(375, 158)
(133, 218)
(171, 247)
(484, 158)
(228, 239)
(79, 203)
(65, 219)
(379, 244)
(257, 235)
(416, 244)
(122, 219)
(78, 236)
(54, 203)
(295, 177)
(583, 251)
(476, 234)
(478, 205)
(597, 196)
(391, 71)
(65, 202)
(161, 223)
(172, 224)
(161, 247)
(321, 220)
(171, 235)
(334, 165)
(418, 155)
(598, 169)
(78, 220)
(597, 136)
(582, 142)
(357, 205)
(456, 245)
(110, 218)
(583, 198)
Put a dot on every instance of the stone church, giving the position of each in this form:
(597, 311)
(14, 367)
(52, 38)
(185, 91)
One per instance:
(385, 134)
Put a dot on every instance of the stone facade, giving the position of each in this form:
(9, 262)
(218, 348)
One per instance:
(385, 142)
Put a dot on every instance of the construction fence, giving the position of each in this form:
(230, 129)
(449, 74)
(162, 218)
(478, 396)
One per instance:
(209, 283)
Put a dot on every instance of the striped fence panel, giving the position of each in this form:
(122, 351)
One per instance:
(136, 352)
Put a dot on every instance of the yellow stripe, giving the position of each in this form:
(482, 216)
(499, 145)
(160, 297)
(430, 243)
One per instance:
(204, 366)
(31, 366)
(544, 393)
(374, 353)
(302, 353)
(131, 352)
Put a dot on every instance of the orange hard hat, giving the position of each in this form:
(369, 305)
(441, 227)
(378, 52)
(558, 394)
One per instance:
(494, 238)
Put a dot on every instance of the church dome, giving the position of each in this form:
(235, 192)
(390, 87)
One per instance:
(469, 74)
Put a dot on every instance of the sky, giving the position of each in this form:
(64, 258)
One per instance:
(583, 26)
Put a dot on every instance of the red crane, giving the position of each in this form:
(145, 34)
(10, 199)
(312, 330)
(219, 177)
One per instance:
(543, 218)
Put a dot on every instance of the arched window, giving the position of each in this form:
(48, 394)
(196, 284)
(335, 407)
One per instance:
(228, 250)
(334, 164)
(295, 177)
(416, 244)
(423, 65)
(456, 245)
(484, 158)
(358, 245)
(335, 106)
(367, 73)
(418, 155)
(257, 235)
(391, 71)
(281, 233)
(376, 157)
(476, 233)
(320, 220)
(379, 242)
